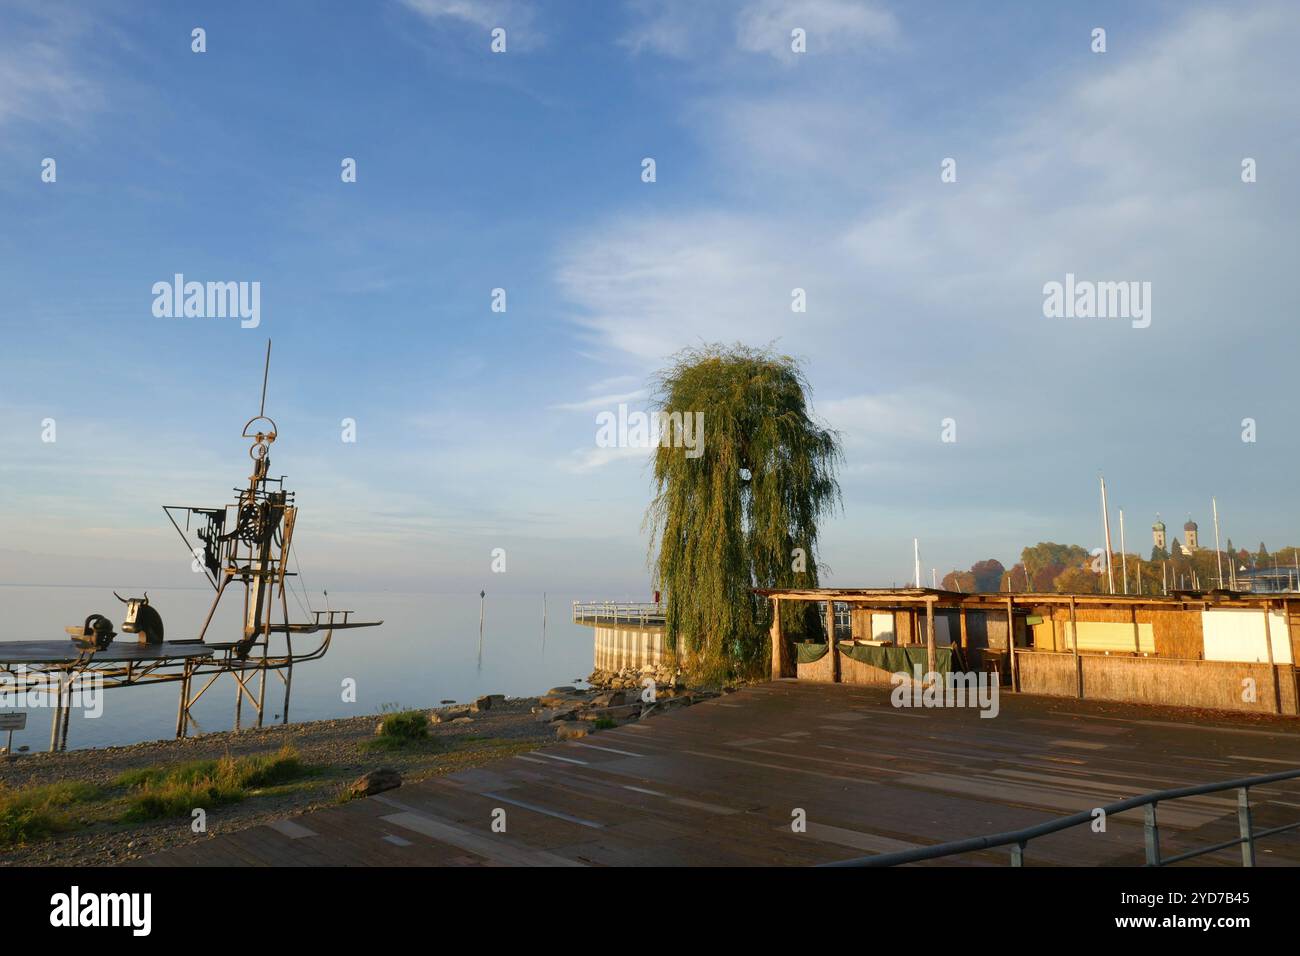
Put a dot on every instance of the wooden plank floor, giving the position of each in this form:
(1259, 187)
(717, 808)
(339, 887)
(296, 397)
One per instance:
(719, 783)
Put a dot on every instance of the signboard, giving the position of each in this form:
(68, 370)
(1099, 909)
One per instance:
(16, 720)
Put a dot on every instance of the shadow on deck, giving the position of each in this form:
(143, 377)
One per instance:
(721, 783)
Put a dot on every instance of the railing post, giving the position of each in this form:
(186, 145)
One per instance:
(1018, 854)
(1247, 832)
(1151, 831)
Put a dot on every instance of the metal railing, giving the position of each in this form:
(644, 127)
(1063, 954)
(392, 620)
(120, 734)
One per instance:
(618, 612)
(1019, 839)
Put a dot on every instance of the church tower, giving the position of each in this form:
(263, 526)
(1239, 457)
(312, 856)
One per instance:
(1189, 531)
(1158, 533)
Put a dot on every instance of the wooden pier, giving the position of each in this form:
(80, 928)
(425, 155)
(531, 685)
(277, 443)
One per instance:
(725, 781)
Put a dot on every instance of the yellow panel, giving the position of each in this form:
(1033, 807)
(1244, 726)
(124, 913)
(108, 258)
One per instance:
(1116, 637)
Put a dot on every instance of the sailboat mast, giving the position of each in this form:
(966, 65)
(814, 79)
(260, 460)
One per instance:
(1123, 551)
(1110, 557)
(1218, 554)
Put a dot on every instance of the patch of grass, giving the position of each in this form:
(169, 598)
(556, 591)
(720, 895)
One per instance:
(32, 813)
(604, 723)
(159, 792)
(188, 772)
(405, 725)
(401, 730)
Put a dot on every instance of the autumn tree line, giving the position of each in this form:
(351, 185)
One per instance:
(1049, 567)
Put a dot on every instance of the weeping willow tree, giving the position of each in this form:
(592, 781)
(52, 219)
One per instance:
(742, 512)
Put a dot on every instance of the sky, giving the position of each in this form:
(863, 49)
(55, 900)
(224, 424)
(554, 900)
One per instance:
(523, 170)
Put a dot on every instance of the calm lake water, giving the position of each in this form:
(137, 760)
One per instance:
(426, 651)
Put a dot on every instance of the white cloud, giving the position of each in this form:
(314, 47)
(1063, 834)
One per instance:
(651, 286)
(600, 402)
(517, 18)
(685, 29)
(763, 26)
(591, 459)
(43, 75)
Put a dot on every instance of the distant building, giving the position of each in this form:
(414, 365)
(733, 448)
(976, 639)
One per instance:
(1158, 533)
(1191, 543)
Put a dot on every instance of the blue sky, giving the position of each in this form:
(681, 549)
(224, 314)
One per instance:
(521, 170)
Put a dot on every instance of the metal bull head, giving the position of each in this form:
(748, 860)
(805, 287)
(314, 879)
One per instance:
(142, 619)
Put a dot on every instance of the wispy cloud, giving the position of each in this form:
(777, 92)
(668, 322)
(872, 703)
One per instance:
(43, 76)
(687, 28)
(601, 402)
(516, 17)
(590, 459)
(831, 26)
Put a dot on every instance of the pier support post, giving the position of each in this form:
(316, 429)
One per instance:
(68, 714)
(261, 687)
(288, 676)
(183, 705)
(62, 712)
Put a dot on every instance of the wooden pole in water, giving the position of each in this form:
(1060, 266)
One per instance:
(482, 602)
(185, 693)
(57, 721)
(68, 708)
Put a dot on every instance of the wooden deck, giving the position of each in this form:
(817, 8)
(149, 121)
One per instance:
(719, 784)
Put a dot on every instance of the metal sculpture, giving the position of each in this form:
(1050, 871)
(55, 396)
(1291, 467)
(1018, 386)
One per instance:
(247, 543)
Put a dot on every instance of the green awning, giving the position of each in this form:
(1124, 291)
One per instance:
(897, 659)
(810, 653)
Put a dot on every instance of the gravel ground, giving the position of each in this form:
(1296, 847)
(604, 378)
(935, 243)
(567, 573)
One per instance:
(332, 747)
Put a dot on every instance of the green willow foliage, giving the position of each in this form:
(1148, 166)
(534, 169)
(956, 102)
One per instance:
(728, 521)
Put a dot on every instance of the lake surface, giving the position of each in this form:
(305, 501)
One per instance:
(426, 651)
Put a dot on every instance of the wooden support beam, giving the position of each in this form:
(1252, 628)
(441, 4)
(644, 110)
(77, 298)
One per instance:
(833, 647)
(1078, 661)
(930, 652)
(1011, 644)
(1272, 667)
(782, 666)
